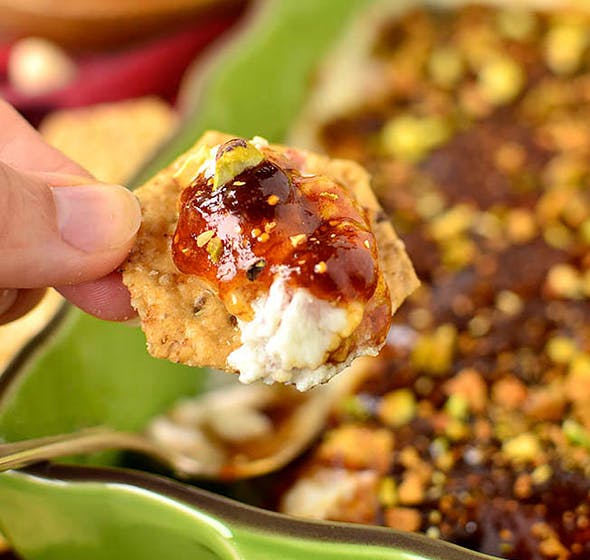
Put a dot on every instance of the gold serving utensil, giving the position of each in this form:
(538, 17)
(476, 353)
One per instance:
(234, 432)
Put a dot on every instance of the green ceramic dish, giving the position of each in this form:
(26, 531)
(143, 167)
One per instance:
(57, 512)
(81, 372)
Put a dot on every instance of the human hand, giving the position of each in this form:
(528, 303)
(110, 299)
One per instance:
(59, 227)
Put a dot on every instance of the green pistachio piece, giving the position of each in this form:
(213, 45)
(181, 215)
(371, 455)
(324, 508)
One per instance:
(411, 138)
(501, 80)
(234, 157)
(214, 248)
(564, 47)
(576, 433)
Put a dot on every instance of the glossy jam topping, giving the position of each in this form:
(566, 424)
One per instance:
(271, 220)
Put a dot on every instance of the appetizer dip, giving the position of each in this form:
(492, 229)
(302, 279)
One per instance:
(265, 260)
(473, 425)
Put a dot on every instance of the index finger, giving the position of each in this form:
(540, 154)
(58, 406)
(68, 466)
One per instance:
(21, 146)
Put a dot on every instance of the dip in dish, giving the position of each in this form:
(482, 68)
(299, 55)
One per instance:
(473, 425)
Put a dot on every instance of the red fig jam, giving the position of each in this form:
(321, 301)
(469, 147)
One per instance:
(269, 221)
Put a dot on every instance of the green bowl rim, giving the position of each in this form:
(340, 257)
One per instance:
(244, 515)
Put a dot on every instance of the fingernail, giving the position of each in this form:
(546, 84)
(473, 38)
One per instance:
(7, 299)
(96, 217)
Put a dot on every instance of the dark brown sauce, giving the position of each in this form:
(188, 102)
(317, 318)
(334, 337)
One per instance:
(270, 221)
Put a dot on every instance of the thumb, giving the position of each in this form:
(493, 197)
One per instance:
(55, 235)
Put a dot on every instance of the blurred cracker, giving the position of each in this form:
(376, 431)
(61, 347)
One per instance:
(13, 336)
(111, 140)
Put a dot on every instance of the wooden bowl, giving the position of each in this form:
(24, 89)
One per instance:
(100, 23)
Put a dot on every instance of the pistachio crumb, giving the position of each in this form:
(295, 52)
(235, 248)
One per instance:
(397, 408)
(320, 267)
(564, 281)
(523, 447)
(214, 248)
(204, 238)
(509, 303)
(500, 80)
(297, 239)
(561, 350)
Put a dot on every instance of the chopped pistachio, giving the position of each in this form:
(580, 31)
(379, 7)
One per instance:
(429, 204)
(446, 66)
(452, 223)
(320, 268)
(403, 518)
(564, 280)
(215, 248)
(234, 161)
(354, 407)
(565, 44)
(433, 532)
(397, 408)
(576, 433)
(542, 474)
(410, 138)
(457, 406)
(455, 430)
(500, 80)
(579, 366)
(204, 238)
(523, 447)
(488, 225)
(509, 303)
(479, 325)
(520, 225)
(557, 235)
(434, 352)
(584, 231)
(518, 24)
(420, 318)
(297, 239)
(561, 350)
(586, 283)
(411, 491)
(458, 252)
(387, 491)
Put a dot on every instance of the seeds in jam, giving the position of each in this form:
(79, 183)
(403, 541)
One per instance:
(259, 217)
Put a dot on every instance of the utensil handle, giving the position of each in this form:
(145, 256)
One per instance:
(23, 453)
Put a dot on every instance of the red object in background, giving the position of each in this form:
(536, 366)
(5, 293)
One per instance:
(154, 67)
